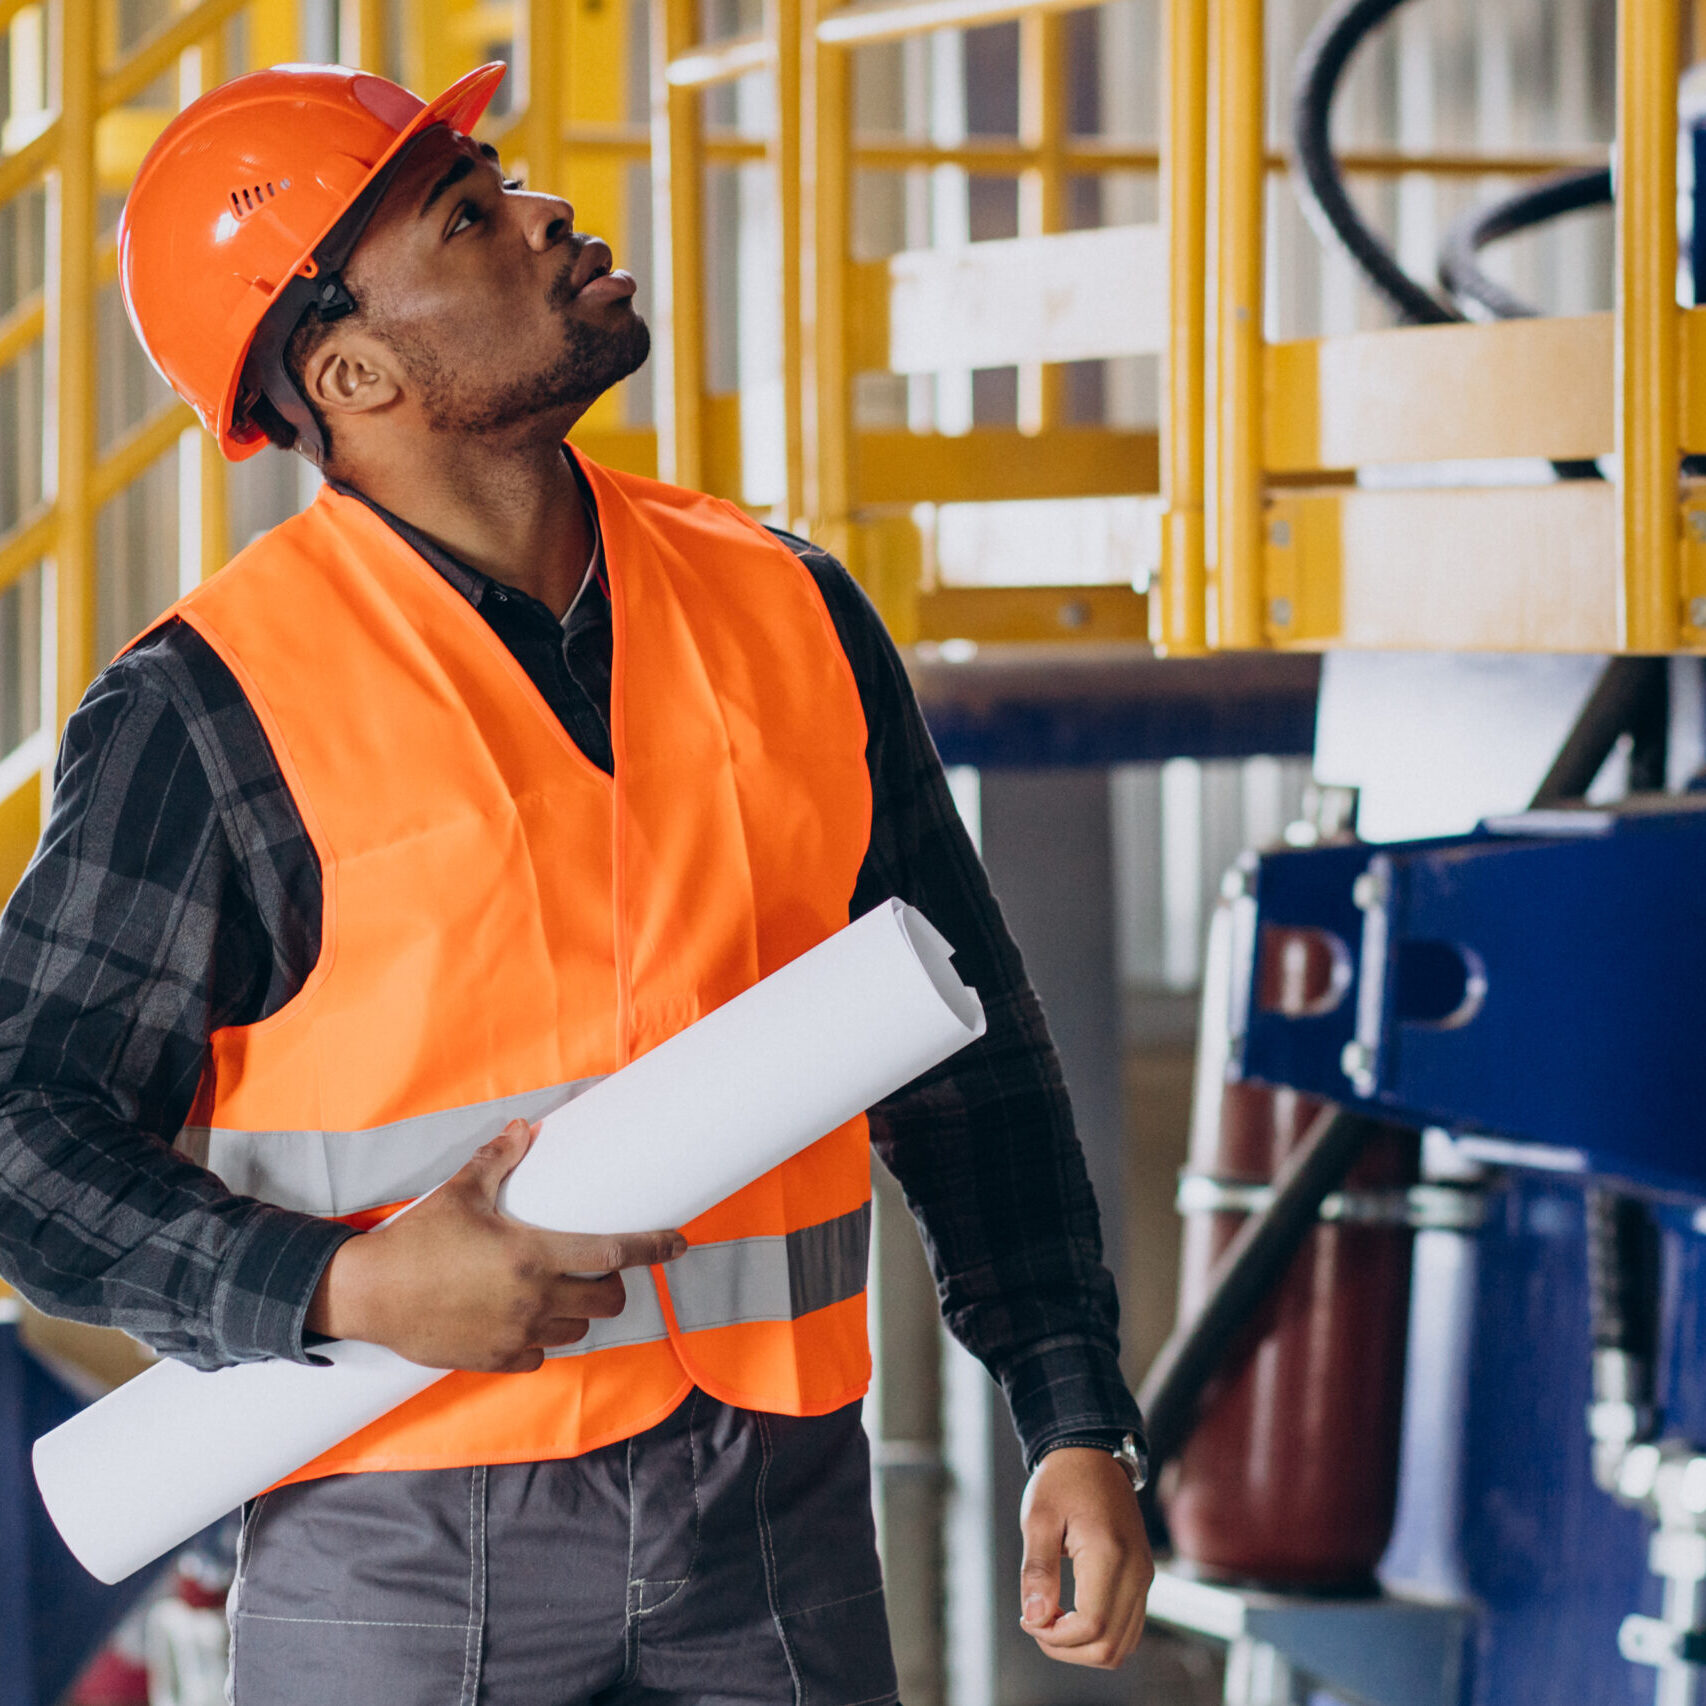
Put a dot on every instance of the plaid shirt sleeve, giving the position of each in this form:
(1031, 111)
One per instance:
(137, 930)
(983, 1146)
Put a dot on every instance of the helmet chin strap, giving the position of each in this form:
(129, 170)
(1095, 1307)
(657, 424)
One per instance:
(267, 395)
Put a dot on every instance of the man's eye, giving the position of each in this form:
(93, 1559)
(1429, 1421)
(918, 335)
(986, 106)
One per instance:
(515, 183)
(466, 215)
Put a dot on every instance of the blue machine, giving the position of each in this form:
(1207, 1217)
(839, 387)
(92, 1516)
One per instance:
(53, 1614)
(1462, 967)
(1458, 1004)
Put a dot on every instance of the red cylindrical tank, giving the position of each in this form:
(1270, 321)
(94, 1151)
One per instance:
(1290, 1476)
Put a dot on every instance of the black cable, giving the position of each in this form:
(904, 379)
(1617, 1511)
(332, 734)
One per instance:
(1461, 273)
(1326, 202)
(1460, 270)
(1632, 697)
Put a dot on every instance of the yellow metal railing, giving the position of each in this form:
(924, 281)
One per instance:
(1614, 566)
(859, 483)
(80, 143)
(1306, 557)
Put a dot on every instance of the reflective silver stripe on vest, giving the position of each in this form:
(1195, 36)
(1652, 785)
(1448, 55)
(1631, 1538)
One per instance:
(771, 1279)
(344, 1172)
(640, 1323)
(742, 1280)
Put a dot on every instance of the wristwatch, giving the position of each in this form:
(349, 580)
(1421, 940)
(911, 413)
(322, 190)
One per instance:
(1131, 1458)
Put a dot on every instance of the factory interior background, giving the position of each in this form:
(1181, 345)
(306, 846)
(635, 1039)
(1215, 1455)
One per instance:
(1275, 435)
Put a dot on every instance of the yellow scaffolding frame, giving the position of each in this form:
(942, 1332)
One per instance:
(699, 434)
(87, 138)
(1308, 559)
(859, 484)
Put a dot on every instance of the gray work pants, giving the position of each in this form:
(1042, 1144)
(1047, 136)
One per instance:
(721, 1557)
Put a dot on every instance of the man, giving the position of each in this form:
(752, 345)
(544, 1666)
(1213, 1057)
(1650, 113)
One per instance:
(466, 786)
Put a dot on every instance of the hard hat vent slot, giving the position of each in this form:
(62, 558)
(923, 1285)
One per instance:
(251, 198)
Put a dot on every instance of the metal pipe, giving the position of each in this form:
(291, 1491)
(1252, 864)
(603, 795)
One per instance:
(361, 34)
(71, 341)
(782, 24)
(890, 20)
(1088, 157)
(158, 54)
(1180, 614)
(1648, 325)
(1624, 701)
(542, 125)
(1042, 185)
(678, 325)
(721, 62)
(1242, 182)
(825, 213)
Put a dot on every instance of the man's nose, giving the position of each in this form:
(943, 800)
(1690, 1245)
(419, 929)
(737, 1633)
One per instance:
(548, 220)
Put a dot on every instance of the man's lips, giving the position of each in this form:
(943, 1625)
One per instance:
(593, 261)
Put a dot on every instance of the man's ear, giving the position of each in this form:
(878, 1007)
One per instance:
(351, 374)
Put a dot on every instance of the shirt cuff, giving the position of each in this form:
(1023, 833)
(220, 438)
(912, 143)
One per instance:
(268, 1280)
(1069, 1392)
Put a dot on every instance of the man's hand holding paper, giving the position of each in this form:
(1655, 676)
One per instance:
(455, 1283)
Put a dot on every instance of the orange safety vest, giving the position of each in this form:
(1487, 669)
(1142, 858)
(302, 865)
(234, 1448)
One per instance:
(504, 924)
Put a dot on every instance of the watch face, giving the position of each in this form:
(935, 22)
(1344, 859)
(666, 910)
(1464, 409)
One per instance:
(1130, 1459)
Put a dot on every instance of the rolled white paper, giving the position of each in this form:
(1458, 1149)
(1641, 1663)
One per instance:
(770, 1072)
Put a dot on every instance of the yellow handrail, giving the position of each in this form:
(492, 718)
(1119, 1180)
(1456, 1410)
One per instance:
(1648, 427)
(1242, 229)
(71, 320)
(678, 342)
(1178, 617)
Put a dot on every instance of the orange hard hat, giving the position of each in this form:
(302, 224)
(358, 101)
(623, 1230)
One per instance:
(242, 214)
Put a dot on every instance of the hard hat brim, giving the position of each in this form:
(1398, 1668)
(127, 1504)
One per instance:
(460, 107)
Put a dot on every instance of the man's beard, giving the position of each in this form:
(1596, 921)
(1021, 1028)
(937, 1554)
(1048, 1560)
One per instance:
(592, 359)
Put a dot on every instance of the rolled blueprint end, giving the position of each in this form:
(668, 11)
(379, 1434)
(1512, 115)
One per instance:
(705, 1113)
(818, 1041)
(151, 1465)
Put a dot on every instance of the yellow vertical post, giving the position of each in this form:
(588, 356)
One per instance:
(1042, 188)
(1648, 324)
(274, 38)
(593, 65)
(71, 329)
(1240, 157)
(677, 260)
(1178, 617)
(782, 23)
(826, 211)
(541, 130)
(435, 37)
(212, 470)
(361, 34)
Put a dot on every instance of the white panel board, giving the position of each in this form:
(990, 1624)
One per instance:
(1077, 296)
(1436, 742)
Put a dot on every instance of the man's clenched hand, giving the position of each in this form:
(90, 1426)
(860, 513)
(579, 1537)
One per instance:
(455, 1284)
(1079, 1505)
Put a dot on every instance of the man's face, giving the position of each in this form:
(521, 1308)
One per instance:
(498, 311)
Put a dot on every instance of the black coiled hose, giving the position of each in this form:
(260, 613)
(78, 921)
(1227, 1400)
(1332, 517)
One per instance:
(1326, 202)
(1329, 208)
(1460, 270)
